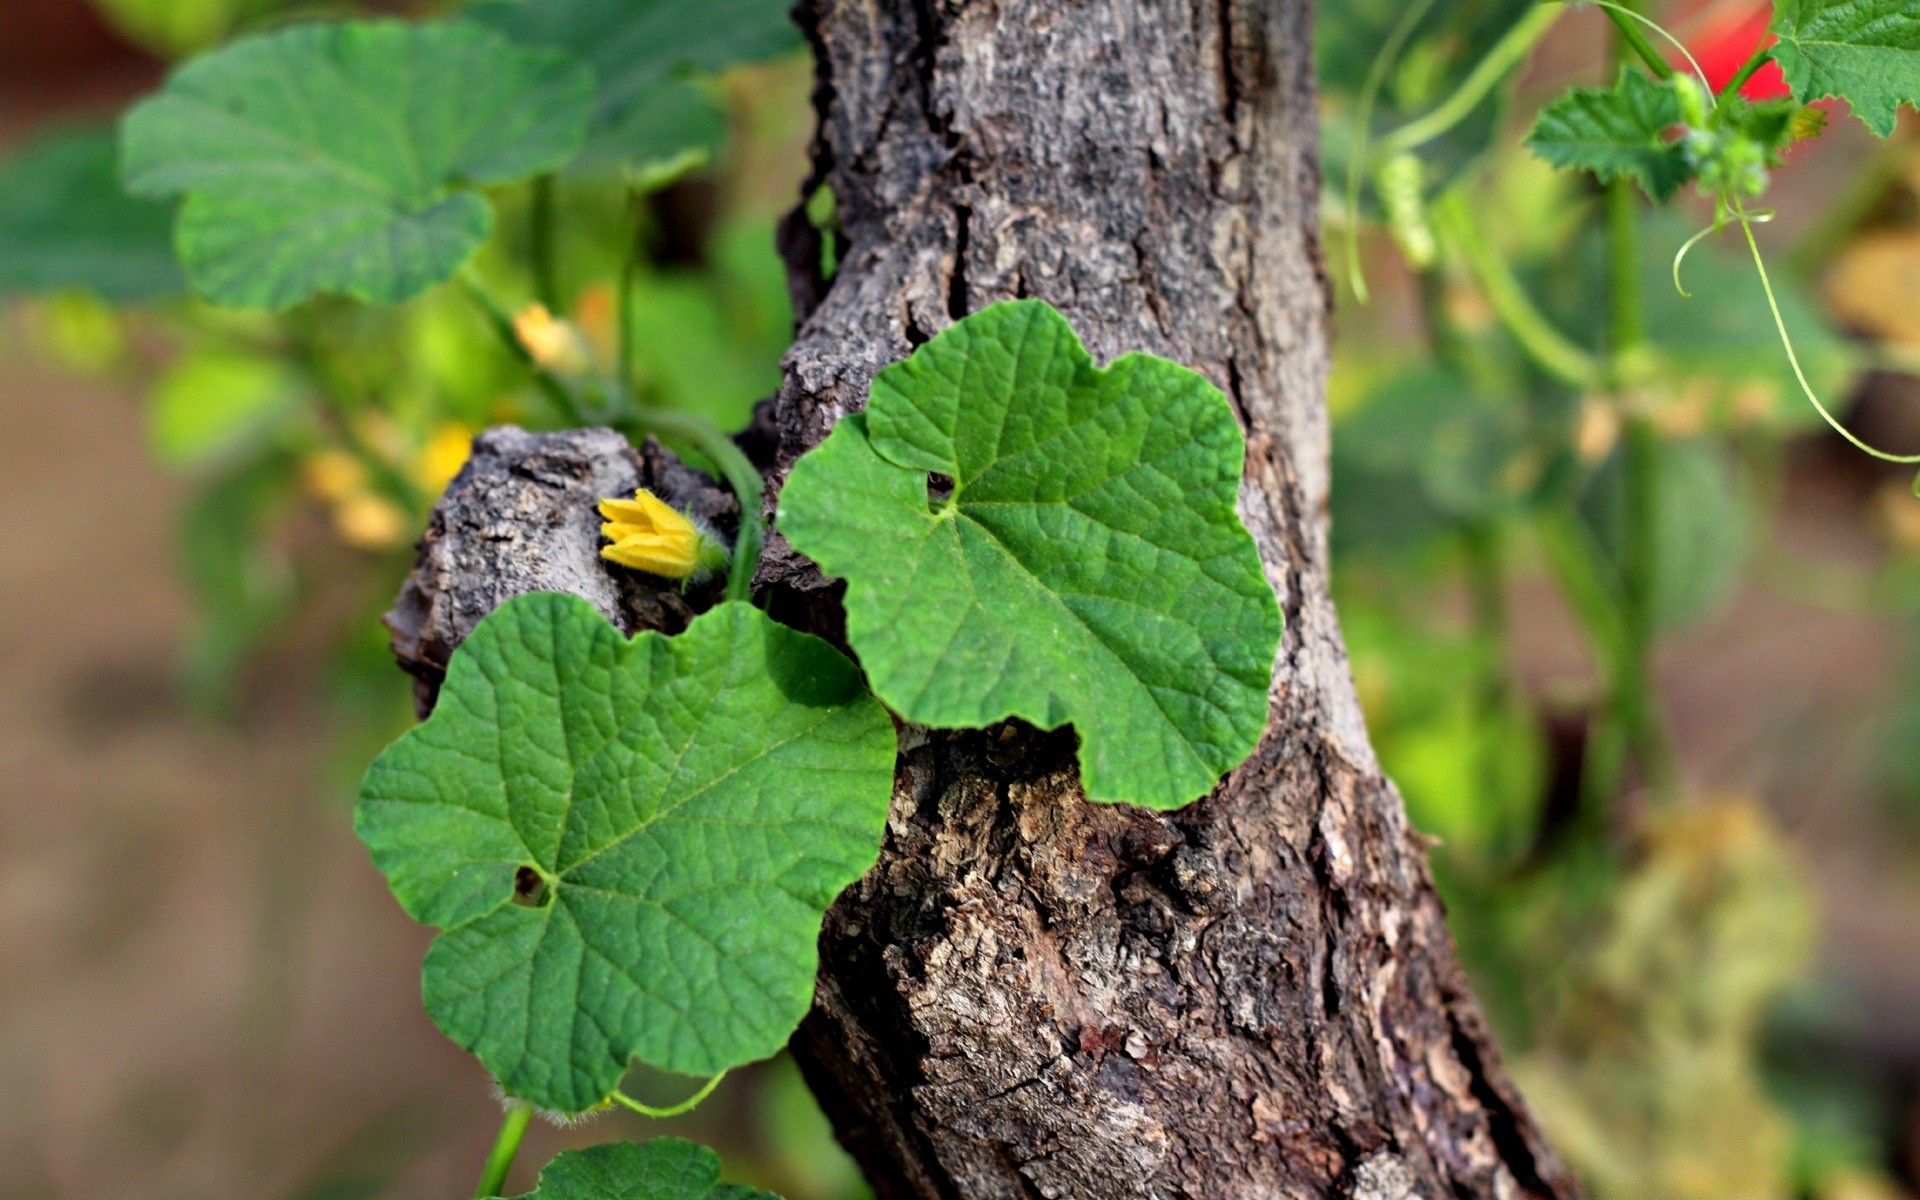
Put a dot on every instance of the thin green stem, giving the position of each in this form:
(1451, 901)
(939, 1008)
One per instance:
(1552, 350)
(661, 1114)
(501, 322)
(1622, 15)
(1761, 57)
(513, 1127)
(1363, 127)
(1793, 357)
(740, 473)
(546, 285)
(1625, 24)
(1633, 705)
(1505, 55)
(623, 306)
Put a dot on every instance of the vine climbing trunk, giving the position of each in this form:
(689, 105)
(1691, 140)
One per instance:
(1032, 995)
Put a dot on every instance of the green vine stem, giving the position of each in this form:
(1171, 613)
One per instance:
(1558, 355)
(501, 322)
(513, 1127)
(1632, 701)
(1505, 55)
(623, 302)
(546, 285)
(1761, 57)
(673, 1110)
(740, 473)
(1363, 123)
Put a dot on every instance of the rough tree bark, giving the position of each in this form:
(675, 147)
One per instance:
(1032, 995)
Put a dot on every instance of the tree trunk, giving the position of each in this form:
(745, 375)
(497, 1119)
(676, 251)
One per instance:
(1032, 995)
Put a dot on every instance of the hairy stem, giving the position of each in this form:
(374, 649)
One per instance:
(740, 473)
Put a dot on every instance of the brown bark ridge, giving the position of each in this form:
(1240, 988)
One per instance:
(1032, 995)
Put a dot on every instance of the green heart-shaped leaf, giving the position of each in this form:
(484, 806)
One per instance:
(662, 1169)
(639, 49)
(336, 158)
(65, 222)
(1867, 52)
(629, 845)
(1089, 566)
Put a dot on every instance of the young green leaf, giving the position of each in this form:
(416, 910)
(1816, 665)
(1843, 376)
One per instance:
(1088, 567)
(1867, 52)
(639, 49)
(340, 158)
(65, 222)
(662, 1169)
(628, 845)
(1615, 132)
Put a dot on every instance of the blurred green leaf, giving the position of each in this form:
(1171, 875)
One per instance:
(641, 51)
(65, 222)
(1426, 451)
(1703, 525)
(212, 403)
(241, 583)
(354, 181)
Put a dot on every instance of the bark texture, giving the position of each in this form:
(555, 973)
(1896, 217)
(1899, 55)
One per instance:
(1032, 995)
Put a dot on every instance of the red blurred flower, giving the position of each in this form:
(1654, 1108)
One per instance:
(1728, 39)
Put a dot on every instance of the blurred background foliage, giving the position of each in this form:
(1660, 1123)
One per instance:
(1684, 959)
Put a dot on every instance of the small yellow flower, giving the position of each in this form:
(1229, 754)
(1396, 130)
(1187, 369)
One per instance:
(553, 343)
(369, 522)
(442, 457)
(333, 475)
(652, 536)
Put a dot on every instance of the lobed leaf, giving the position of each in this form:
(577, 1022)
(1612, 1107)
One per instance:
(341, 158)
(1089, 566)
(628, 845)
(1617, 132)
(662, 1169)
(1866, 52)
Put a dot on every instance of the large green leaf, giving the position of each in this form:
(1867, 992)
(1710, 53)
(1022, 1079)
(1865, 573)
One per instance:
(640, 51)
(339, 158)
(1867, 52)
(66, 222)
(1089, 566)
(662, 1169)
(1615, 132)
(629, 845)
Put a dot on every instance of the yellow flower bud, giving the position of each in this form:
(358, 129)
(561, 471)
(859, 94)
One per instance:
(650, 535)
(553, 343)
